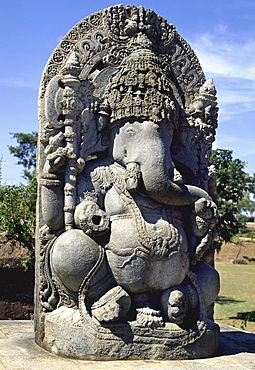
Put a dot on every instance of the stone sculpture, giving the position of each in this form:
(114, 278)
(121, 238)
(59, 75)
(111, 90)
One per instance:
(126, 193)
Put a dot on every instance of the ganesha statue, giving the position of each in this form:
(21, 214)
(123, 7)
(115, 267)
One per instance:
(126, 200)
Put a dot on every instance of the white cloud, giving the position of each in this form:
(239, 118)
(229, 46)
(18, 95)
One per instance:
(221, 56)
(19, 83)
(230, 61)
(246, 144)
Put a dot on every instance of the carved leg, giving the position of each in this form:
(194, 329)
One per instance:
(209, 281)
(177, 301)
(176, 305)
(112, 306)
(79, 267)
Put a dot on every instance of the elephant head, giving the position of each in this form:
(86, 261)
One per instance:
(146, 146)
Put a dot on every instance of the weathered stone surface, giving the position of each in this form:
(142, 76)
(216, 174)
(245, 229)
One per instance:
(126, 193)
(66, 336)
(18, 351)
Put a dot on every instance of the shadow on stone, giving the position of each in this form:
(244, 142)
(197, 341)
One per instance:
(234, 342)
(123, 332)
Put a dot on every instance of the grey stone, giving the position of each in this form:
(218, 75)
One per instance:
(126, 211)
(18, 351)
(238, 261)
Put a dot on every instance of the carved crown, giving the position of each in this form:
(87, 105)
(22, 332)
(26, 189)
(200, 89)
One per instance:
(141, 89)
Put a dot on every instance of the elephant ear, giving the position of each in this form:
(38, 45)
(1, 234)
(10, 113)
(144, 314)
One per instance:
(192, 146)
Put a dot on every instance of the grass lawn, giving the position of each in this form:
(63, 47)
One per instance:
(237, 296)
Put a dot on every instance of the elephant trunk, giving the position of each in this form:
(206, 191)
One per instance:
(160, 187)
(144, 149)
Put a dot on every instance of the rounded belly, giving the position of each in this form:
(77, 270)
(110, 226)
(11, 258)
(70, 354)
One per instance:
(154, 260)
(137, 274)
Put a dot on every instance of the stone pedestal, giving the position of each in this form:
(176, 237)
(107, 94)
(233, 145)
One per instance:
(66, 335)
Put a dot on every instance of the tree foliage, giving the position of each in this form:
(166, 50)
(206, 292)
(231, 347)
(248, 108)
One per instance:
(247, 204)
(18, 202)
(232, 183)
(17, 211)
(25, 151)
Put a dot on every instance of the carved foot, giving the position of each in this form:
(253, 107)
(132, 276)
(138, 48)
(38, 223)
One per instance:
(148, 317)
(177, 306)
(174, 305)
(111, 306)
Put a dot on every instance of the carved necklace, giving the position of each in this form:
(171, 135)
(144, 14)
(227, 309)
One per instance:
(151, 247)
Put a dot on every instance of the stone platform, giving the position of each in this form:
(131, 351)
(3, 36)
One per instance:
(19, 351)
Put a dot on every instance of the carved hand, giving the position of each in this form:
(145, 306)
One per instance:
(91, 219)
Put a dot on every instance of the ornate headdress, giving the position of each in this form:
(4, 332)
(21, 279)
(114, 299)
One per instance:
(140, 88)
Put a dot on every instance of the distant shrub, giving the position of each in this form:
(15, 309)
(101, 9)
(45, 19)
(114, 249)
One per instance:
(17, 213)
(251, 235)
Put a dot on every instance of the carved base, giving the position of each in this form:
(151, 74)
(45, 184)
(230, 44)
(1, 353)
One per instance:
(64, 334)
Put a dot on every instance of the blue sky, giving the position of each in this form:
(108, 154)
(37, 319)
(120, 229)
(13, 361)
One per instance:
(222, 33)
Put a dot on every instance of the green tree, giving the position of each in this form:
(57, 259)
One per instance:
(247, 204)
(18, 202)
(232, 183)
(17, 214)
(25, 151)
